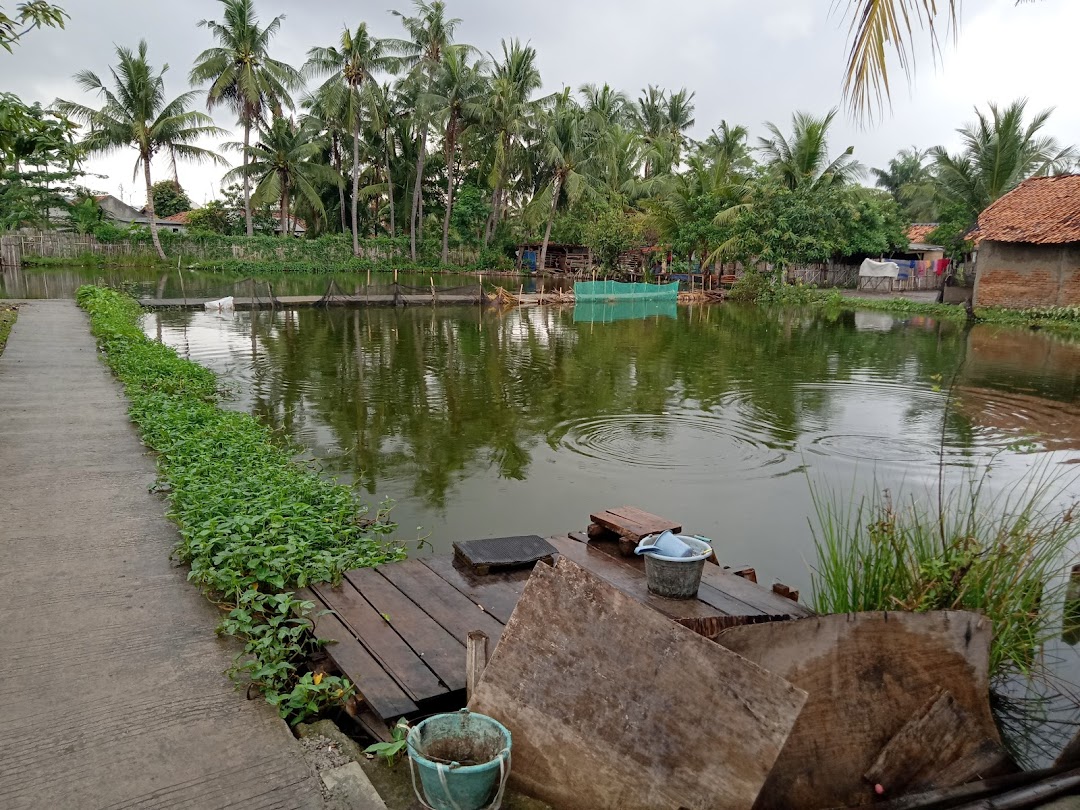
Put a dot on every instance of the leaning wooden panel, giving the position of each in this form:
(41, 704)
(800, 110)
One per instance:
(612, 705)
(867, 675)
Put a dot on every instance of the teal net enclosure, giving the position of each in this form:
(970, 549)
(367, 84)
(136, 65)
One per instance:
(620, 291)
(625, 309)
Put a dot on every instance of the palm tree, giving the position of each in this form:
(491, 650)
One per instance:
(430, 34)
(285, 165)
(327, 113)
(136, 114)
(804, 158)
(566, 159)
(242, 75)
(651, 120)
(727, 144)
(509, 115)
(1000, 152)
(381, 118)
(679, 117)
(349, 67)
(457, 97)
(604, 106)
(910, 181)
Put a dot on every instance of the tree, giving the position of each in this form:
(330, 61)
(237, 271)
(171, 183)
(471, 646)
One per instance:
(349, 68)
(999, 152)
(328, 111)
(136, 114)
(284, 164)
(457, 96)
(803, 159)
(565, 159)
(610, 233)
(510, 114)
(430, 34)
(727, 144)
(85, 215)
(28, 16)
(169, 198)
(213, 217)
(242, 75)
(910, 181)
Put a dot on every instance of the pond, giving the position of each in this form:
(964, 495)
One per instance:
(485, 423)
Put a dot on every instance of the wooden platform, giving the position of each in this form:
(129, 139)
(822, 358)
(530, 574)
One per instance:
(300, 301)
(399, 631)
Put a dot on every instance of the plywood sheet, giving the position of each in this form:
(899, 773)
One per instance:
(867, 675)
(612, 705)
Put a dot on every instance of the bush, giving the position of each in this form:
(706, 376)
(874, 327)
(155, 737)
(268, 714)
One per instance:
(253, 524)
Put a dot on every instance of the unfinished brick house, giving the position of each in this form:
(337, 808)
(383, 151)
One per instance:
(1029, 246)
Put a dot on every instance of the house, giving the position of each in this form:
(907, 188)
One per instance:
(122, 214)
(919, 246)
(1029, 246)
(559, 258)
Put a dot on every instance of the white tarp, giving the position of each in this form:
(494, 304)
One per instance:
(221, 305)
(872, 269)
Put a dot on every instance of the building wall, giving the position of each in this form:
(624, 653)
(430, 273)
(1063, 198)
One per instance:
(1022, 275)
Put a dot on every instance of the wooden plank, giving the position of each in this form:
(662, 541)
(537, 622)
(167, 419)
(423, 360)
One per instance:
(921, 754)
(440, 651)
(725, 603)
(753, 594)
(454, 611)
(381, 640)
(379, 690)
(633, 523)
(495, 593)
(866, 675)
(577, 680)
(692, 613)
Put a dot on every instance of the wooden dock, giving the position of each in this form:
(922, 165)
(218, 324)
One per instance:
(301, 301)
(399, 631)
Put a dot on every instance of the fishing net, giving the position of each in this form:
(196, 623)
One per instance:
(597, 311)
(399, 294)
(619, 290)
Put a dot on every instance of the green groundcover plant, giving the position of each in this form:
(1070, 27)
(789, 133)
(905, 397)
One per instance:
(254, 525)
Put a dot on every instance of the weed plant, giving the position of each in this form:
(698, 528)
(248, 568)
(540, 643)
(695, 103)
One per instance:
(254, 525)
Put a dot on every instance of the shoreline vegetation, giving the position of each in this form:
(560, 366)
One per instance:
(8, 314)
(254, 524)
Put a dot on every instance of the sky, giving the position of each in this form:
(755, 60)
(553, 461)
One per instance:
(747, 61)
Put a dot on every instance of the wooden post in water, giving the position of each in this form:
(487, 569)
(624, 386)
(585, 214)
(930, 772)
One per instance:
(476, 659)
(433, 299)
(369, 276)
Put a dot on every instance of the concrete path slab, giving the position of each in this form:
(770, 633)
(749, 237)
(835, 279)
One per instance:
(112, 693)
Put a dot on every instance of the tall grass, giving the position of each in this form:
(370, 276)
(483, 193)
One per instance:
(1004, 554)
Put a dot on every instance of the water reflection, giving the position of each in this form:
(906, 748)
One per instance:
(483, 423)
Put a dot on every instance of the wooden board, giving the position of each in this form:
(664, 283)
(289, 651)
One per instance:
(444, 654)
(926, 751)
(611, 705)
(495, 593)
(457, 614)
(866, 675)
(379, 690)
(381, 640)
(631, 524)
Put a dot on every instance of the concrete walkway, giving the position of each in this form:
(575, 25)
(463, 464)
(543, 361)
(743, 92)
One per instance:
(111, 686)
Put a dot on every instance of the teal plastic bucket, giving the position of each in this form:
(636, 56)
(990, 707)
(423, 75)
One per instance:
(463, 760)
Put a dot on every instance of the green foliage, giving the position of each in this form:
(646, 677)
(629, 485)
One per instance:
(954, 223)
(212, 218)
(610, 233)
(253, 524)
(169, 199)
(28, 16)
(8, 314)
(390, 751)
(85, 215)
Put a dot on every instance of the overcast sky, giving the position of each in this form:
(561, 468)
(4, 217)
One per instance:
(748, 61)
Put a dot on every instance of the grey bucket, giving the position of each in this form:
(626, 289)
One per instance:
(676, 577)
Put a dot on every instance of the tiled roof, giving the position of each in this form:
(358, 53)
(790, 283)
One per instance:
(1041, 211)
(179, 219)
(919, 232)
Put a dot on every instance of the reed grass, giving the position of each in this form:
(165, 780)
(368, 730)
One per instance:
(1004, 554)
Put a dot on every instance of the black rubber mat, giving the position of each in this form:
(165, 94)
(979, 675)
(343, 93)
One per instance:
(504, 552)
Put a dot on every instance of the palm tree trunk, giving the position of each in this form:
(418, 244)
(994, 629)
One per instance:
(284, 208)
(150, 208)
(355, 184)
(390, 191)
(341, 188)
(547, 231)
(493, 218)
(417, 194)
(450, 157)
(247, 180)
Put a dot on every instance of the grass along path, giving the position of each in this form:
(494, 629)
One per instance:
(254, 525)
(8, 314)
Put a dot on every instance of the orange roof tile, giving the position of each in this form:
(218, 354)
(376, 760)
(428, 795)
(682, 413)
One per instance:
(1041, 211)
(179, 219)
(919, 232)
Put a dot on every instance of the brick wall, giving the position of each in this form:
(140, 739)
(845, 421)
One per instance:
(1022, 275)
